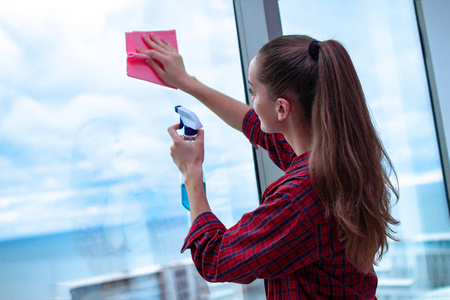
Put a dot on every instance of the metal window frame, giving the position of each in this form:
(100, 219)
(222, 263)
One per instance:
(438, 113)
(257, 22)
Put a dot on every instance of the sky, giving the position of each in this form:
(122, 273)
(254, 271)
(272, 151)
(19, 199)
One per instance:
(75, 130)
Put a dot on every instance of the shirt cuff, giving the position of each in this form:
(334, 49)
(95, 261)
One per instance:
(203, 223)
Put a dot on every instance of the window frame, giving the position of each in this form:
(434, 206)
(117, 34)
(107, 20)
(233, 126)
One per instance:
(426, 11)
(257, 22)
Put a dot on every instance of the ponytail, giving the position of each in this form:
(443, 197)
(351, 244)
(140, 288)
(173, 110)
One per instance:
(349, 166)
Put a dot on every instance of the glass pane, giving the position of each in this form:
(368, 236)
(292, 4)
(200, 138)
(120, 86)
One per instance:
(383, 41)
(90, 200)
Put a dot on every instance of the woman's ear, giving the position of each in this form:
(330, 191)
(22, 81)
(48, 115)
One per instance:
(283, 108)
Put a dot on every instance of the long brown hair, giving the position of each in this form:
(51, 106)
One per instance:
(349, 166)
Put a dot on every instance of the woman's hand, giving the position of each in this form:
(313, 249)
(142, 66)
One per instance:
(188, 156)
(170, 67)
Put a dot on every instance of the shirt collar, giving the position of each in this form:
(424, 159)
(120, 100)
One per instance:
(299, 162)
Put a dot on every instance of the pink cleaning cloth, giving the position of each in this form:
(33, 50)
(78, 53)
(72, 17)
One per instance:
(137, 67)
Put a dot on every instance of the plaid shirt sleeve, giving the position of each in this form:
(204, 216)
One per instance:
(276, 145)
(252, 248)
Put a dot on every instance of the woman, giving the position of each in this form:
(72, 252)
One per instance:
(321, 226)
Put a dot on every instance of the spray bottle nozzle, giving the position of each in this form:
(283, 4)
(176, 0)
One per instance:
(188, 120)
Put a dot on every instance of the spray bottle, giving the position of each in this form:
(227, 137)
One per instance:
(191, 123)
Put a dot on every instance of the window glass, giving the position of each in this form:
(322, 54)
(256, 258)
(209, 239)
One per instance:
(90, 200)
(383, 41)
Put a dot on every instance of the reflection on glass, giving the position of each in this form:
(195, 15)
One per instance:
(383, 41)
(89, 196)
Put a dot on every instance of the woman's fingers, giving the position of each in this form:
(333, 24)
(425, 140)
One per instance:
(152, 43)
(173, 132)
(200, 136)
(156, 43)
(169, 45)
(186, 154)
(156, 67)
(152, 53)
(151, 60)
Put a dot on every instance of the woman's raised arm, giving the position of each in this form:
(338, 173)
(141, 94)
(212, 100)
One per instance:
(172, 71)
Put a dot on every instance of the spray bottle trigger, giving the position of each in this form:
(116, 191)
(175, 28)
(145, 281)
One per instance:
(181, 124)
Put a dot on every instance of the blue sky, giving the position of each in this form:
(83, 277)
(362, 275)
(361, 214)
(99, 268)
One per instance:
(75, 129)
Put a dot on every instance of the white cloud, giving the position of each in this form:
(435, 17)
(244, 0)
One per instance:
(29, 122)
(69, 60)
(66, 42)
(81, 44)
(432, 176)
(10, 54)
(39, 198)
(44, 17)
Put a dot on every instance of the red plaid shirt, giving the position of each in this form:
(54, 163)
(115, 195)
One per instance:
(287, 240)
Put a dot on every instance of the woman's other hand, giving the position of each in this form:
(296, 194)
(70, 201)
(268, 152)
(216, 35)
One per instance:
(188, 156)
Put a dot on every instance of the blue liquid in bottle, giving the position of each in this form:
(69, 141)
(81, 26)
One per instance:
(184, 195)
